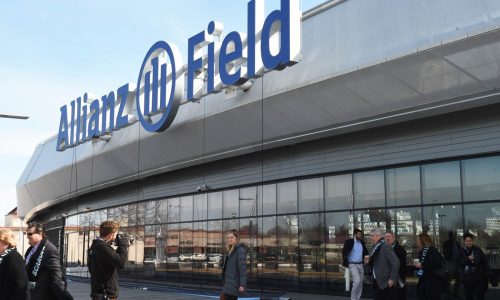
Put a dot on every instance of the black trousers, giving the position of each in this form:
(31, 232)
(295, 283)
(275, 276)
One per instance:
(385, 294)
(474, 288)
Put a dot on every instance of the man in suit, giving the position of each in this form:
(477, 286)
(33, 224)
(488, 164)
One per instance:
(400, 252)
(43, 267)
(352, 254)
(385, 267)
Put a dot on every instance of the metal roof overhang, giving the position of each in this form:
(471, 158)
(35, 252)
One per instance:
(451, 76)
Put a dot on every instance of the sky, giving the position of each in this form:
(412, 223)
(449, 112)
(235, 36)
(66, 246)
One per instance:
(52, 52)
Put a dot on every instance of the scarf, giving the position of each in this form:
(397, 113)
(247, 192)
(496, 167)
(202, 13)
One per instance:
(376, 249)
(36, 261)
(5, 253)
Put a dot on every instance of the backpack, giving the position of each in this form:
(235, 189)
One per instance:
(443, 270)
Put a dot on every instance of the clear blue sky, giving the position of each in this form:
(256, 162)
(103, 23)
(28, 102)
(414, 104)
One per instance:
(52, 52)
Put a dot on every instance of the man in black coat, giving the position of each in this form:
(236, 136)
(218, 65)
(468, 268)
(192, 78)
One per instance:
(43, 266)
(400, 252)
(104, 261)
(352, 255)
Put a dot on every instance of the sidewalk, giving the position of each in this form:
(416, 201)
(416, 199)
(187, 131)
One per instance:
(81, 291)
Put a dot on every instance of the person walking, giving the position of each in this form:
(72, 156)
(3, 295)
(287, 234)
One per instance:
(385, 267)
(353, 252)
(103, 261)
(43, 266)
(13, 277)
(234, 273)
(473, 266)
(451, 253)
(400, 252)
(429, 286)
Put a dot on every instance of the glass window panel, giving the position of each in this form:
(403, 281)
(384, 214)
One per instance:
(151, 212)
(248, 237)
(338, 192)
(483, 221)
(338, 228)
(248, 201)
(403, 186)
(200, 207)
(438, 220)
(311, 245)
(173, 249)
(84, 220)
(366, 220)
(287, 197)
(441, 182)
(214, 205)
(482, 179)
(186, 210)
(173, 210)
(267, 203)
(141, 213)
(406, 223)
(230, 204)
(215, 238)
(187, 256)
(130, 267)
(369, 189)
(132, 214)
(287, 247)
(311, 195)
(200, 246)
(268, 246)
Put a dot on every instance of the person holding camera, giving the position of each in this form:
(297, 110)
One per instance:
(104, 261)
(474, 267)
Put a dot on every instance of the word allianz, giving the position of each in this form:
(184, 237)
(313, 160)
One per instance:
(215, 62)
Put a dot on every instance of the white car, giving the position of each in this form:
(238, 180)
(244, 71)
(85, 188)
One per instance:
(199, 257)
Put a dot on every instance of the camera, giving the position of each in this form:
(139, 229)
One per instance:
(124, 237)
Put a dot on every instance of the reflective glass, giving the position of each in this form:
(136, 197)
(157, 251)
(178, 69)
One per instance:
(214, 205)
(186, 209)
(248, 237)
(230, 204)
(483, 221)
(248, 201)
(311, 255)
(173, 210)
(287, 197)
(268, 246)
(481, 179)
(406, 223)
(338, 228)
(267, 203)
(441, 183)
(366, 220)
(403, 186)
(311, 195)
(200, 207)
(338, 192)
(438, 220)
(287, 246)
(369, 189)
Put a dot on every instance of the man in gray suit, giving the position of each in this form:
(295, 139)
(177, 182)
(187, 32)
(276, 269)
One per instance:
(385, 267)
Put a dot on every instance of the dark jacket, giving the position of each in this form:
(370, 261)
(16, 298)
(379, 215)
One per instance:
(348, 245)
(13, 278)
(473, 271)
(103, 262)
(49, 282)
(234, 271)
(385, 265)
(401, 254)
(430, 285)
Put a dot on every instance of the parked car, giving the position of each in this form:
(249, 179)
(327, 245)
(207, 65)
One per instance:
(214, 257)
(186, 257)
(199, 257)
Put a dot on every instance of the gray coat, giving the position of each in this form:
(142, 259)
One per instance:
(234, 271)
(385, 264)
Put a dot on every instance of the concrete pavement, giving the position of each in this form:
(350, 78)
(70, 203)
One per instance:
(81, 291)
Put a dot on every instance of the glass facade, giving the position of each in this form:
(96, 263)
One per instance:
(294, 230)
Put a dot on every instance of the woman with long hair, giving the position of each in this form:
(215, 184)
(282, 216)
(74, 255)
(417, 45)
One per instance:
(13, 277)
(430, 286)
(234, 270)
